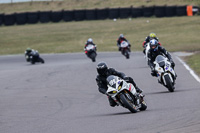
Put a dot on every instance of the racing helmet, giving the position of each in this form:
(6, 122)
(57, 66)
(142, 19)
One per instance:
(90, 40)
(28, 49)
(152, 35)
(121, 36)
(102, 68)
(154, 44)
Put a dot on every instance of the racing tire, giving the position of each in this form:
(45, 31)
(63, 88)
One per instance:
(128, 104)
(93, 56)
(169, 83)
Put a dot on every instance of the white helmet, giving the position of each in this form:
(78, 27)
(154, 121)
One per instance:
(90, 40)
(121, 35)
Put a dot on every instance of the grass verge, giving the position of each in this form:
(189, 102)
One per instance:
(194, 62)
(175, 34)
(87, 4)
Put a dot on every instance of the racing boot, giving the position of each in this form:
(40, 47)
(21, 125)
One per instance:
(138, 90)
(111, 102)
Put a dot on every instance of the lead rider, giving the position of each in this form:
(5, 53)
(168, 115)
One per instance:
(103, 72)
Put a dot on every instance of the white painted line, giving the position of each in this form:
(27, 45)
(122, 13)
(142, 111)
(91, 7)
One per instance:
(189, 69)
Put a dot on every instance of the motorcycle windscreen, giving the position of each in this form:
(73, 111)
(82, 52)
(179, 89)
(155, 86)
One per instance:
(111, 81)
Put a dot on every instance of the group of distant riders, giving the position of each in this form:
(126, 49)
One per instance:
(102, 68)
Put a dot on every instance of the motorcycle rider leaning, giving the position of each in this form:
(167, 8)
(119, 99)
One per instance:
(103, 72)
(120, 39)
(154, 51)
(89, 42)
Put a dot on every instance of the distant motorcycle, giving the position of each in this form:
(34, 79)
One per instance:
(125, 94)
(35, 57)
(90, 51)
(165, 73)
(125, 50)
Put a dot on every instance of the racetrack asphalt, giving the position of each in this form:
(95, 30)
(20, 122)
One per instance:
(61, 96)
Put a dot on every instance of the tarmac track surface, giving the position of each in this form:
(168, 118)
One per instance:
(61, 96)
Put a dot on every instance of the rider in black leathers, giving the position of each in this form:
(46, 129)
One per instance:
(155, 50)
(103, 73)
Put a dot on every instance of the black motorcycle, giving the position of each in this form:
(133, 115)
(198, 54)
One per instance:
(35, 57)
(90, 51)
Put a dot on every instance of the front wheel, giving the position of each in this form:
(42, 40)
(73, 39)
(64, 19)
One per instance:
(169, 83)
(128, 103)
(93, 56)
(41, 60)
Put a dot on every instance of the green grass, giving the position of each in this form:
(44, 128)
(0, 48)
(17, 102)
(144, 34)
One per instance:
(194, 62)
(175, 34)
(88, 4)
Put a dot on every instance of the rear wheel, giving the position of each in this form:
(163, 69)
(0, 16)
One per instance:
(169, 83)
(128, 103)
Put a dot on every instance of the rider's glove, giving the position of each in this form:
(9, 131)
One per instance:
(126, 78)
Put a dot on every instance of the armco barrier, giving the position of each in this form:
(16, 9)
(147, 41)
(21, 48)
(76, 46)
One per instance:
(148, 11)
(21, 18)
(9, 19)
(90, 14)
(45, 16)
(56, 16)
(170, 11)
(113, 13)
(102, 13)
(136, 12)
(1, 18)
(181, 10)
(79, 15)
(125, 12)
(159, 11)
(33, 17)
(68, 15)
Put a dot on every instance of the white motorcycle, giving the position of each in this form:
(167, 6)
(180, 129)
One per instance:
(147, 50)
(165, 73)
(125, 94)
(125, 49)
(90, 50)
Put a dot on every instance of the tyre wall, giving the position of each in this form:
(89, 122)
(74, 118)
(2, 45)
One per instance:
(1, 19)
(124, 12)
(9, 19)
(68, 15)
(148, 11)
(45, 16)
(102, 14)
(113, 13)
(94, 14)
(137, 12)
(32, 17)
(90, 15)
(79, 15)
(21, 18)
(159, 11)
(56, 16)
